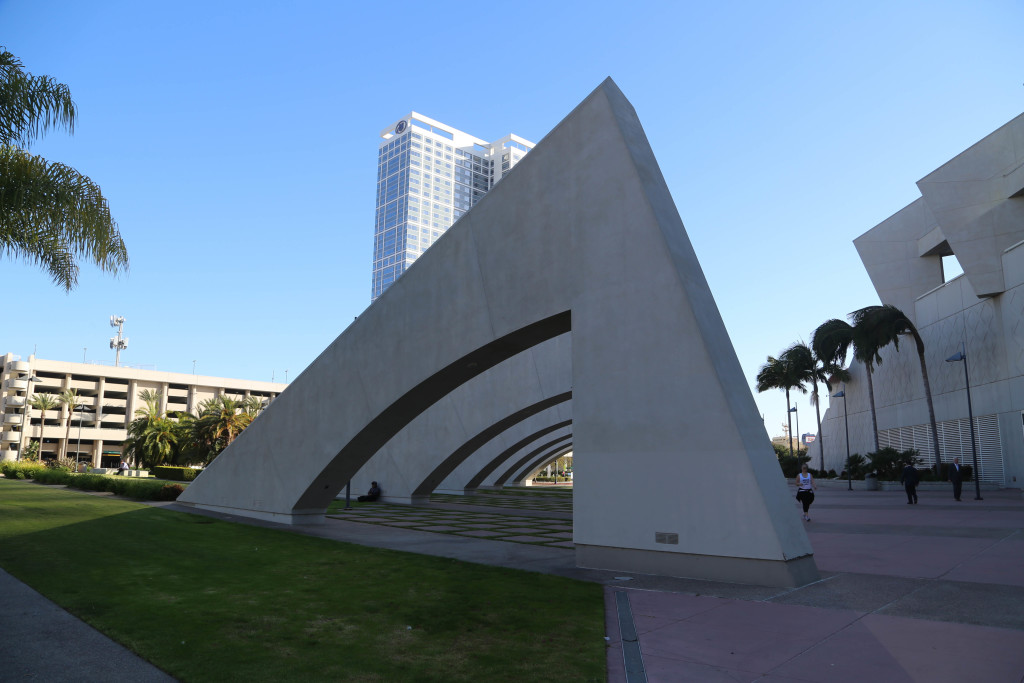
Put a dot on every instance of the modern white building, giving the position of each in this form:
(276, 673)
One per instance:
(110, 396)
(971, 209)
(428, 175)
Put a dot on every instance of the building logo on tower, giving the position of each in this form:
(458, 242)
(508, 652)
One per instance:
(400, 128)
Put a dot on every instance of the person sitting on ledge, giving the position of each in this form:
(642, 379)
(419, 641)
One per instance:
(371, 495)
(122, 468)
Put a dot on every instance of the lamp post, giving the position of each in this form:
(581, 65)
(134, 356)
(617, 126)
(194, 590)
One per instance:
(81, 418)
(846, 420)
(794, 410)
(24, 426)
(958, 357)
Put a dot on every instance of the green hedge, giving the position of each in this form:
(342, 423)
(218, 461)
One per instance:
(140, 489)
(175, 473)
(21, 470)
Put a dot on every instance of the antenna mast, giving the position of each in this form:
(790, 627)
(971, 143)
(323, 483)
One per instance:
(118, 342)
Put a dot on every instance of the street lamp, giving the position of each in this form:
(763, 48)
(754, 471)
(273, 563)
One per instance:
(794, 410)
(81, 418)
(846, 420)
(958, 357)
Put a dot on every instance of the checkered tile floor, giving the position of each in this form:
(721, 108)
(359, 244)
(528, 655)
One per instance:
(555, 533)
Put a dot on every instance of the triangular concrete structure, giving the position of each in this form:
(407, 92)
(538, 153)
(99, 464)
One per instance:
(674, 473)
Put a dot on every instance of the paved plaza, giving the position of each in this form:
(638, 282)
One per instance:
(930, 592)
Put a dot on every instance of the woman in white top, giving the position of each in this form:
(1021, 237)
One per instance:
(805, 489)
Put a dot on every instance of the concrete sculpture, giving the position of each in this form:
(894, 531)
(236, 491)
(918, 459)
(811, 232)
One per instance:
(674, 473)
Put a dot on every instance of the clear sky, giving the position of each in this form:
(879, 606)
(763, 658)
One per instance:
(236, 143)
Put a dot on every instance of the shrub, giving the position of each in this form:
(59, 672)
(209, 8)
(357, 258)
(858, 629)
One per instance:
(20, 470)
(857, 466)
(175, 473)
(170, 491)
(52, 475)
(791, 465)
(888, 463)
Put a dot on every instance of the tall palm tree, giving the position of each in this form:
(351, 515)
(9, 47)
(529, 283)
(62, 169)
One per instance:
(782, 373)
(50, 214)
(810, 368)
(888, 323)
(151, 441)
(67, 399)
(42, 403)
(833, 339)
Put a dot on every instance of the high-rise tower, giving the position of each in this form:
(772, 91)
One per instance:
(428, 175)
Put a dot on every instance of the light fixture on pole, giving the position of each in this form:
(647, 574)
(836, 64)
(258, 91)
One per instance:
(961, 357)
(794, 410)
(846, 420)
(80, 409)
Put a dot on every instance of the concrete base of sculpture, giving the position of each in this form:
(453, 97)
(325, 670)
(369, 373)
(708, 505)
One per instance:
(784, 574)
(295, 518)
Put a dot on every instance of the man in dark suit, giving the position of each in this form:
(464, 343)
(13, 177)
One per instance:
(956, 475)
(909, 479)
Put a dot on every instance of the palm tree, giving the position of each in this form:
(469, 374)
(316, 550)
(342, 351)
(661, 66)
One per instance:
(782, 373)
(145, 439)
(151, 441)
(888, 324)
(50, 214)
(810, 368)
(832, 340)
(221, 420)
(42, 403)
(68, 399)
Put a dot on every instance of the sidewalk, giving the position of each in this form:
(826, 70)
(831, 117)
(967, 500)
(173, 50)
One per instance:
(930, 592)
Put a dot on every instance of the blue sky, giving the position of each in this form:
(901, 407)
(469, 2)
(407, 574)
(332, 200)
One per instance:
(236, 143)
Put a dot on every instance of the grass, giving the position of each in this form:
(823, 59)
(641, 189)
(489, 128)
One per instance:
(207, 600)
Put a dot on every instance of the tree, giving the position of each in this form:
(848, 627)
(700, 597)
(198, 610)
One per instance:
(221, 419)
(152, 435)
(69, 400)
(50, 214)
(832, 340)
(42, 403)
(782, 373)
(887, 323)
(811, 368)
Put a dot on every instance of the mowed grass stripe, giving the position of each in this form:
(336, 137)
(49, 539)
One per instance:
(208, 600)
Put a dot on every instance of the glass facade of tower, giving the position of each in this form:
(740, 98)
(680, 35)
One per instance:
(428, 175)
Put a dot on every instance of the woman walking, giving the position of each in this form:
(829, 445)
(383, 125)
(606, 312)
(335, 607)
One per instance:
(805, 489)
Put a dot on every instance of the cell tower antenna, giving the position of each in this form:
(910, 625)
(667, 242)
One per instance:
(118, 343)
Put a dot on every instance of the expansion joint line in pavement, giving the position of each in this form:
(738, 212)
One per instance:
(632, 658)
(978, 554)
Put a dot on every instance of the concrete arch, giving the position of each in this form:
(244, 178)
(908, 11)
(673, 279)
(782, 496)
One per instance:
(515, 450)
(448, 465)
(564, 443)
(411, 464)
(582, 234)
(537, 465)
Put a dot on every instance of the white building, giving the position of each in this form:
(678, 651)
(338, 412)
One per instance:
(110, 396)
(972, 209)
(428, 175)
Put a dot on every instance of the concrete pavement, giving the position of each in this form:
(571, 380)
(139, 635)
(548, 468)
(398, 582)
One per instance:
(928, 592)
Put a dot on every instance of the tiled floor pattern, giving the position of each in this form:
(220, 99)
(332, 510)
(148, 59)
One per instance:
(545, 500)
(555, 533)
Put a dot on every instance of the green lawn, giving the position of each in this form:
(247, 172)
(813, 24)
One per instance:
(207, 600)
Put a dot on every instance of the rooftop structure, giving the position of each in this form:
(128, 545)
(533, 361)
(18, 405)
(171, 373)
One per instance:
(110, 396)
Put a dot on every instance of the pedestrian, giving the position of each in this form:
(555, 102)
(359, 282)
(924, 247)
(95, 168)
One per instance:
(956, 475)
(909, 479)
(805, 489)
(371, 495)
